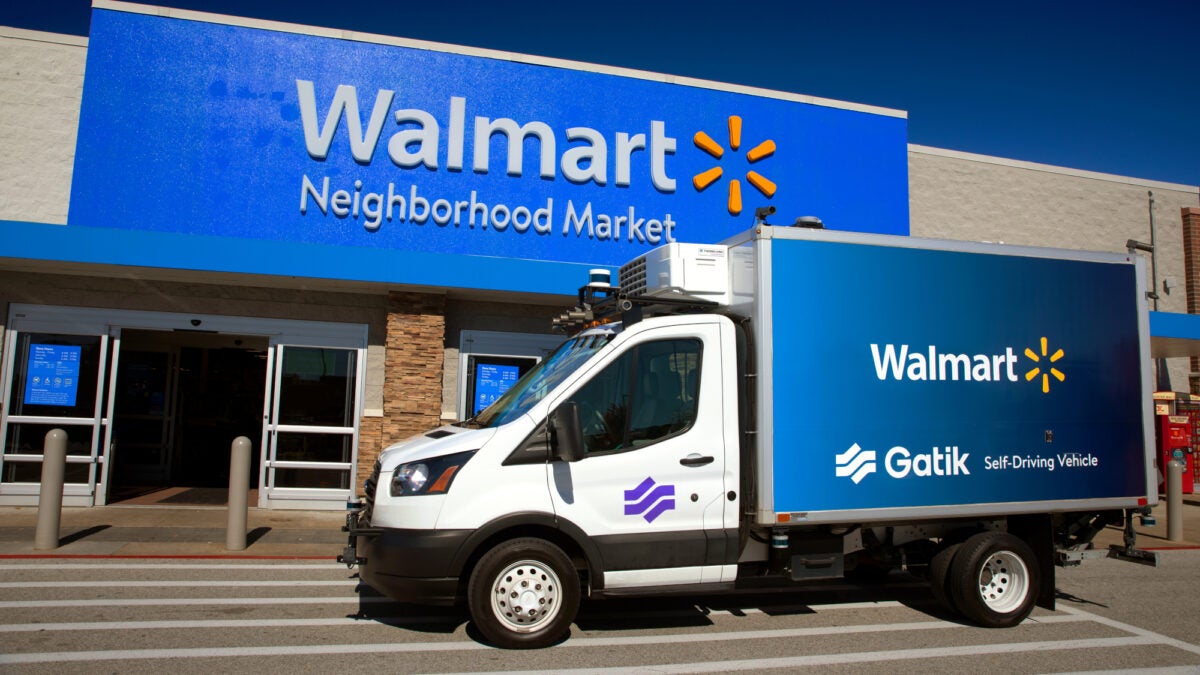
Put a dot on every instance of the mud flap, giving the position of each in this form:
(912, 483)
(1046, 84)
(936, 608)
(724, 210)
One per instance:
(1037, 530)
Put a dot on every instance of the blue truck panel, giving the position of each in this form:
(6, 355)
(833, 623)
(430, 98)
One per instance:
(906, 377)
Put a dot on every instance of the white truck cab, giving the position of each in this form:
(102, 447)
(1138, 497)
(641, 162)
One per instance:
(651, 406)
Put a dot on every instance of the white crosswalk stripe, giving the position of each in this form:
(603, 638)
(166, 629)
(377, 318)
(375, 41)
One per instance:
(265, 616)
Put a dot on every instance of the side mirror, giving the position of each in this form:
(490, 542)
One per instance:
(566, 433)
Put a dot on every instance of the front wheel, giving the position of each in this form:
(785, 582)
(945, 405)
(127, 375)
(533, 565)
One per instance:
(524, 594)
(994, 579)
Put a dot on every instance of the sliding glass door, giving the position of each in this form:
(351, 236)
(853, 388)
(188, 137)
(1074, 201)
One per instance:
(311, 435)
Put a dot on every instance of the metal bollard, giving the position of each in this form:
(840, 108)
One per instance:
(1175, 500)
(50, 497)
(239, 491)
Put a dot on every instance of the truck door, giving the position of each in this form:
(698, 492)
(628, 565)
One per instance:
(650, 491)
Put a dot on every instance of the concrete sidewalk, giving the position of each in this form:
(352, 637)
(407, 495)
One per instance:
(175, 531)
(200, 531)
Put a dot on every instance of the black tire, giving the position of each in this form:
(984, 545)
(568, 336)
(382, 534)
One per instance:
(523, 594)
(939, 575)
(995, 579)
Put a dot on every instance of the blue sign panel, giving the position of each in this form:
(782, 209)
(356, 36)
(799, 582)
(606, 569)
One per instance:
(922, 378)
(491, 381)
(52, 375)
(206, 129)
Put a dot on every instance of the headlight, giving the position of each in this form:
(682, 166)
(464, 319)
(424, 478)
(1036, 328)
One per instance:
(428, 476)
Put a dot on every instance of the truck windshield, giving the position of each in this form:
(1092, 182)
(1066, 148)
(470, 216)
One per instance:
(540, 381)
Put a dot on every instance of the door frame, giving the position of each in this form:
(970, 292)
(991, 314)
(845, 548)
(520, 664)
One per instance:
(108, 323)
(269, 494)
(74, 494)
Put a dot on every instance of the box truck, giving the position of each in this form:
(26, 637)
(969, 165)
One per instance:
(791, 404)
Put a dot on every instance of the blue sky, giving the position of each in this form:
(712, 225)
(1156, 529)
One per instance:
(1103, 85)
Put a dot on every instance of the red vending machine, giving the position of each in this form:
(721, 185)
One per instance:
(1175, 442)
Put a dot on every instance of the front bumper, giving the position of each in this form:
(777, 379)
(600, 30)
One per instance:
(414, 566)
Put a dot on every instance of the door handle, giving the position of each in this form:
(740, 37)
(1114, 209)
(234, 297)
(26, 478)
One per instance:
(695, 459)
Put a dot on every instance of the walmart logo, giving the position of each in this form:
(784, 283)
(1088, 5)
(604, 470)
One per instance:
(704, 179)
(934, 364)
(1036, 370)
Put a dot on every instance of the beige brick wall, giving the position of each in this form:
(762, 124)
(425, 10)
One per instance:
(1191, 254)
(955, 195)
(412, 390)
(41, 86)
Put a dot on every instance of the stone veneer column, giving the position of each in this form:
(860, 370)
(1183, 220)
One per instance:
(1191, 267)
(412, 380)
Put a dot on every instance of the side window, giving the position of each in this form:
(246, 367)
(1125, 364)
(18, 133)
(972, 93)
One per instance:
(645, 396)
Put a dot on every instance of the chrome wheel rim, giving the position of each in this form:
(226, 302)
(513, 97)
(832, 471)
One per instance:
(526, 596)
(1003, 582)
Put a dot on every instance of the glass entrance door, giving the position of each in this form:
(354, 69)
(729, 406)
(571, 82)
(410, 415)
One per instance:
(54, 380)
(147, 396)
(143, 421)
(311, 435)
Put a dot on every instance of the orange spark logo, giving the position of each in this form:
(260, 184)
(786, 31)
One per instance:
(706, 178)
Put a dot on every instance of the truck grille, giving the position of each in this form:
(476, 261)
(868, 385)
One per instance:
(632, 277)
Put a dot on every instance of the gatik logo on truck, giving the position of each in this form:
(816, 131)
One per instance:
(649, 500)
(934, 364)
(857, 463)
(418, 141)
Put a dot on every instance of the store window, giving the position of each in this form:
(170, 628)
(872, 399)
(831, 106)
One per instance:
(316, 427)
(55, 375)
(53, 386)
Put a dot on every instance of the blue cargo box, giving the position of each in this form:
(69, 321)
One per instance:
(902, 378)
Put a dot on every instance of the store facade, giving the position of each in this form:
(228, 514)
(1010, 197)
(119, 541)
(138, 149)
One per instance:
(357, 238)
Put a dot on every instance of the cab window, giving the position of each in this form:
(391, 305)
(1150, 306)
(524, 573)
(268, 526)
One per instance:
(645, 396)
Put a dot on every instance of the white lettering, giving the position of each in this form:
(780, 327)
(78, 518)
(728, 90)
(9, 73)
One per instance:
(345, 99)
(458, 124)
(594, 154)
(442, 212)
(322, 199)
(416, 203)
(542, 222)
(373, 210)
(901, 364)
(500, 216)
(661, 145)
(417, 142)
(626, 146)
(425, 137)
(899, 462)
(579, 221)
(410, 205)
(515, 135)
(520, 222)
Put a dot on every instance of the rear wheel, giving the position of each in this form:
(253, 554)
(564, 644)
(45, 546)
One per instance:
(939, 575)
(994, 579)
(523, 594)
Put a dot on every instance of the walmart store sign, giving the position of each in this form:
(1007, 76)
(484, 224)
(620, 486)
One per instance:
(219, 130)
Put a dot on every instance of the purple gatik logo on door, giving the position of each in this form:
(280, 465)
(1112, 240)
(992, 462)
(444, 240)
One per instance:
(649, 500)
